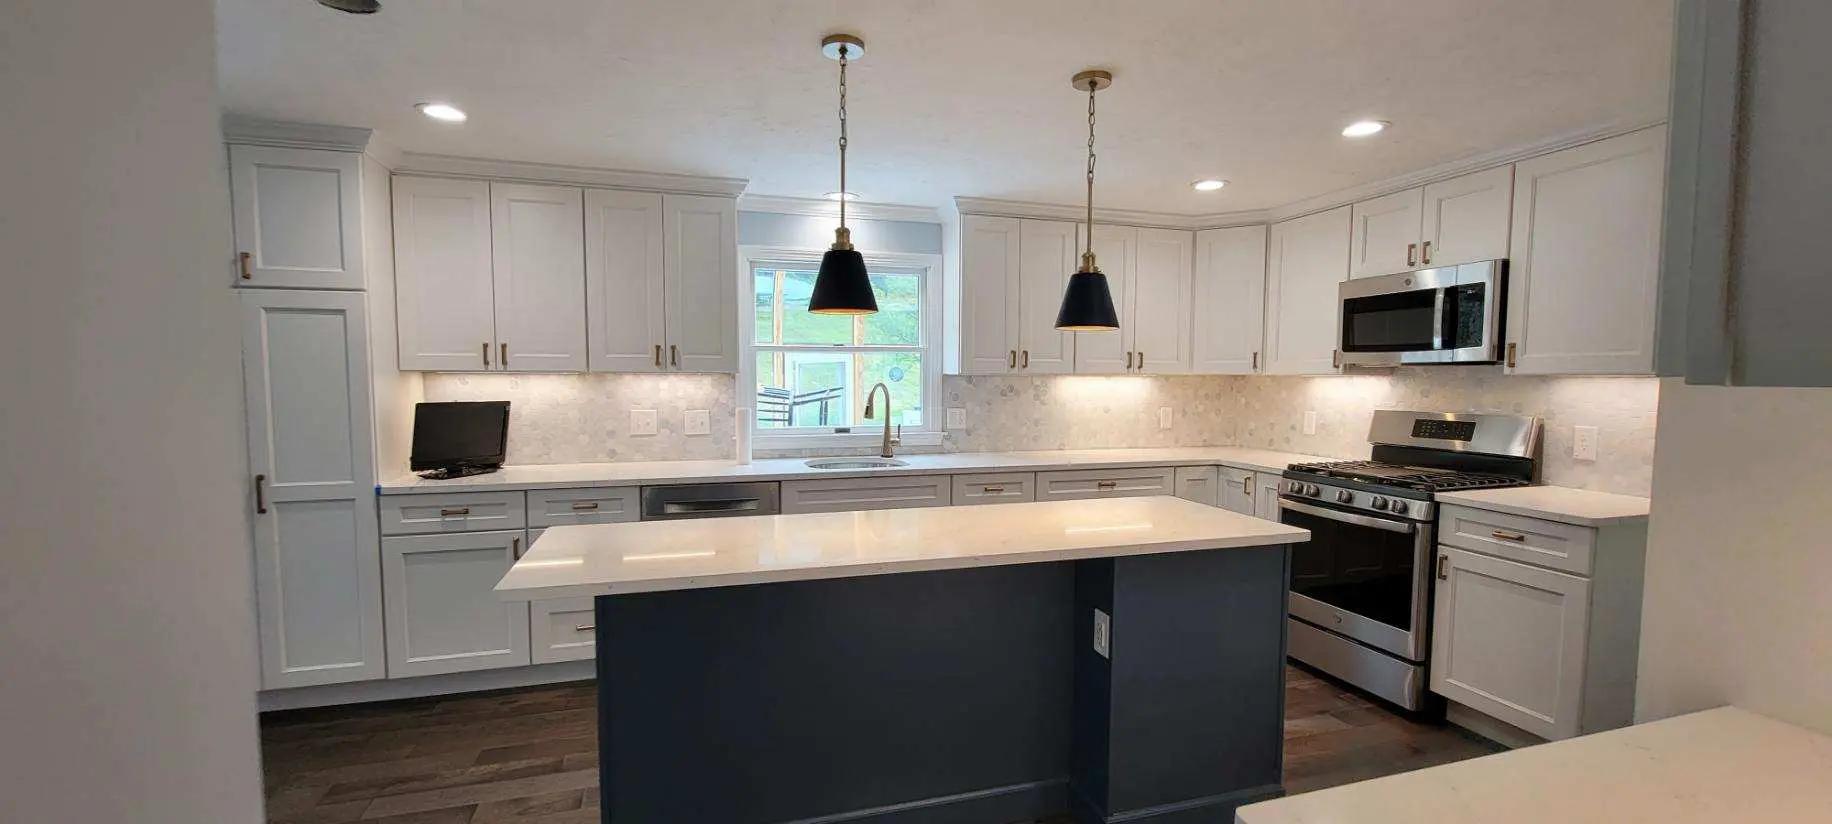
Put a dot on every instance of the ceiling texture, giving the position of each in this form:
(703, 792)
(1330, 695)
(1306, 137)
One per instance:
(964, 97)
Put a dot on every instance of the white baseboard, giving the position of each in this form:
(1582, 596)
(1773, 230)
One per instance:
(396, 689)
(1494, 729)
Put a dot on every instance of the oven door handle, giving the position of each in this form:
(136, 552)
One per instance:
(1401, 527)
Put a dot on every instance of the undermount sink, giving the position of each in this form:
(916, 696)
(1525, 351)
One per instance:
(854, 463)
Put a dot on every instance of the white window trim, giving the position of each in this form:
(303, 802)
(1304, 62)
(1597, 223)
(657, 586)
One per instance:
(928, 434)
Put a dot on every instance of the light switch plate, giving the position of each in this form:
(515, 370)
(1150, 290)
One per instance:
(1164, 417)
(1310, 423)
(957, 417)
(1584, 443)
(642, 422)
(1103, 634)
(699, 422)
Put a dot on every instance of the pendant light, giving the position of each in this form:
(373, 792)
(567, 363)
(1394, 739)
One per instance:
(842, 287)
(1087, 303)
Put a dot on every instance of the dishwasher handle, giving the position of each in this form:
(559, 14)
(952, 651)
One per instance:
(702, 507)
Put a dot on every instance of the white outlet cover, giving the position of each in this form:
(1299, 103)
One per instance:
(1310, 423)
(1103, 634)
(957, 417)
(699, 422)
(1164, 417)
(1584, 443)
(642, 422)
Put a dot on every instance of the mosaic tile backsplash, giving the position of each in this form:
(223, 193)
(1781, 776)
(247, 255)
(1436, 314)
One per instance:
(585, 418)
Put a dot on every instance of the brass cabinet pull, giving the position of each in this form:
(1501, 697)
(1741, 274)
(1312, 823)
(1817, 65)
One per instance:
(1027, 359)
(1256, 361)
(585, 628)
(1507, 536)
(505, 358)
(1335, 358)
(1141, 361)
(1427, 251)
(674, 354)
(1106, 484)
(260, 495)
(486, 354)
(247, 265)
(585, 505)
(1412, 254)
(993, 490)
(1443, 572)
(453, 513)
(1128, 360)
(515, 547)
(658, 354)
(1013, 360)
(1511, 355)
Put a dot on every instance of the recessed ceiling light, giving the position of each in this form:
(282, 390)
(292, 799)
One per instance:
(1208, 184)
(846, 196)
(1363, 128)
(442, 111)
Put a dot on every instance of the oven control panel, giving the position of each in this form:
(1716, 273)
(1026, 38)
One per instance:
(1342, 497)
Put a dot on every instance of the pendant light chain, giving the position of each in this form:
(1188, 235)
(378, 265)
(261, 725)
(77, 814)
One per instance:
(843, 50)
(1091, 88)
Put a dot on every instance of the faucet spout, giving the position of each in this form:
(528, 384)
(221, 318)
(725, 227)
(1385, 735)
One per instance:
(889, 443)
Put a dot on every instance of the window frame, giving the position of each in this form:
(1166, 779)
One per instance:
(927, 267)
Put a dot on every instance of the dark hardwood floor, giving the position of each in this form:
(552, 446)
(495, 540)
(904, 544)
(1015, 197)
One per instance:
(530, 756)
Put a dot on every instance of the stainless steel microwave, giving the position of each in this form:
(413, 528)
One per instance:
(1451, 314)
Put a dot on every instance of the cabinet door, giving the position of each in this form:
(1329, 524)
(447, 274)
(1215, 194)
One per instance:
(700, 258)
(1199, 484)
(445, 295)
(624, 297)
(298, 217)
(1160, 299)
(1307, 259)
(443, 613)
(1116, 250)
(561, 629)
(537, 238)
(1266, 495)
(1508, 639)
(1228, 301)
(1467, 219)
(1236, 492)
(318, 586)
(1075, 484)
(989, 296)
(1047, 254)
(1385, 238)
(1584, 257)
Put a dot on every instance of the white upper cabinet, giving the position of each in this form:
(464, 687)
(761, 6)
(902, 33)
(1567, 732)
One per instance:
(298, 217)
(1584, 258)
(1307, 259)
(700, 262)
(1385, 238)
(1047, 254)
(538, 240)
(1158, 328)
(1466, 219)
(443, 281)
(1116, 252)
(1228, 300)
(989, 295)
(624, 295)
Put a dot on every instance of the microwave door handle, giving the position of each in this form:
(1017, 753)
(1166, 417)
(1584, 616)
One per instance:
(1437, 311)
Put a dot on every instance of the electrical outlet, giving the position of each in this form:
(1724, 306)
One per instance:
(957, 417)
(1164, 417)
(1584, 443)
(1103, 634)
(642, 422)
(699, 422)
(1310, 423)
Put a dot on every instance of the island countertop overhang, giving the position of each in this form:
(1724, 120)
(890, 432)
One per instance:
(657, 556)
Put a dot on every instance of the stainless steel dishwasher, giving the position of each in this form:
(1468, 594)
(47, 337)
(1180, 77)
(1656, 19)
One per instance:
(668, 503)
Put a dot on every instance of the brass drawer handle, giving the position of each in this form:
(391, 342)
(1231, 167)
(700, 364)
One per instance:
(453, 513)
(993, 490)
(585, 505)
(585, 628)
(247, 266)
(1106, 484)
(1508, 536)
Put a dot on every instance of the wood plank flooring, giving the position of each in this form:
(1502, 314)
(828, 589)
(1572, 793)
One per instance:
(530, 756)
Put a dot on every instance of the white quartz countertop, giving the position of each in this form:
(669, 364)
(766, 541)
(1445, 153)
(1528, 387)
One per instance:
(652, 556)
(545, 476)
(1718, 766)
(1580, 507)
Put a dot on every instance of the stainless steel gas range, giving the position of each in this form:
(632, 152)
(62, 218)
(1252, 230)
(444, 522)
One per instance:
(1361, 587)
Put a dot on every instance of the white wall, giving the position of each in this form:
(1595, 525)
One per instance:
(1738, 606)
(127, 666)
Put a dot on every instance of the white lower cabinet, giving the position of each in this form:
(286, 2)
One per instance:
(1078, 484)
(1198, 483)
(1266, 495)
(995, 488)
(1236, 490)
(443, 615)
(563, 629)
(853, 494)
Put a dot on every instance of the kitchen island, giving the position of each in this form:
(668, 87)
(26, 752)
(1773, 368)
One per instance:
(1115, 659)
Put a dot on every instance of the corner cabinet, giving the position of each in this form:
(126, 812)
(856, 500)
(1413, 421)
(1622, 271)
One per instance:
(1583, 273)
(1306, 261)
(1228, 295)
(298, 217)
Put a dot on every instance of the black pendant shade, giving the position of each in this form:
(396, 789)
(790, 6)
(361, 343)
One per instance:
(843, 287)
(1087, 305)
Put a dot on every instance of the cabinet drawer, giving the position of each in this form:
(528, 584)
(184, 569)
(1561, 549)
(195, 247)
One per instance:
(562, 630)
(1076, 484)
(1528, 540)
(1001, 488)
(1199, 484)
(456, 512)
(597, 505)
(851, 494)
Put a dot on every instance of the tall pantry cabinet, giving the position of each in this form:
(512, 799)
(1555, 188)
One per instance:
(315, 271)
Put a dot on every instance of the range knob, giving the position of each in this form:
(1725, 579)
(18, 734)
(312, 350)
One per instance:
(1312, 490)
(1379, 504)
(1397, 507)
(1294, 487)
(1344, 496)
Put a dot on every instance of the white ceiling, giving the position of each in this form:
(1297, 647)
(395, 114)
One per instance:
(964, 97)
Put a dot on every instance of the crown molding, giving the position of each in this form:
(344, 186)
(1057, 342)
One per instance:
(526, 172)
(255, 131)
(1456, 168)
(1121, 217)
(827, 208)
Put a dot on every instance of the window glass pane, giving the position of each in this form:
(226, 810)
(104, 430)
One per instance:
(827, 389)
(901, 373)
(801, 326)
(897, 323)
(765, 313)
(899, 318)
